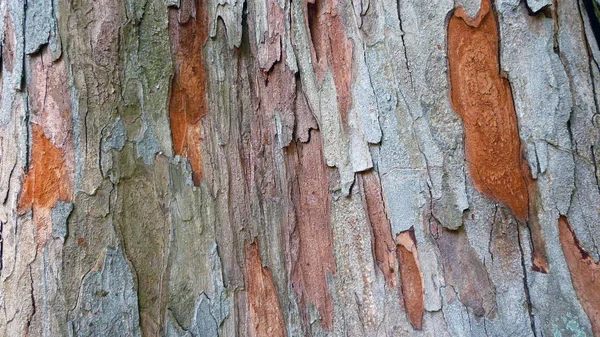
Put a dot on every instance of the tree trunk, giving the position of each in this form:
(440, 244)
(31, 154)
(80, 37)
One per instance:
(300, 168)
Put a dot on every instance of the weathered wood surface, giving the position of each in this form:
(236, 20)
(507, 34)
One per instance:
(299, 168)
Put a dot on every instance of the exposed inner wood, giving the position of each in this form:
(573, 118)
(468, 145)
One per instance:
(187, 104)
(483, 100)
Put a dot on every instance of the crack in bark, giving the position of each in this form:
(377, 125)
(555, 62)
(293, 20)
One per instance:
(526, 284)
(595, 163)
(402, 33)
(34, 309)
(492, 232)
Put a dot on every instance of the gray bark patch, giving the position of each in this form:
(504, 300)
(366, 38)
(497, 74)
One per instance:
(108, 301)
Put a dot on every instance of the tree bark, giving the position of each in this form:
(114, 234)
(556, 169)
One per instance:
(299, 168)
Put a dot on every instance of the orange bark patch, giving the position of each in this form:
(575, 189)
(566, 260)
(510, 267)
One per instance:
(331, 48)
(585, 273)
(411, 278)
(311, 197)
(188, 103)
(265, 313)
(47, 180)
(383, 242)
(483, 100)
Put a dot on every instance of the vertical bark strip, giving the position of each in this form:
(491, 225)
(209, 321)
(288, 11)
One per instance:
(585, 273)
(315, 259)
(265, 313)
(483, 100)
(411, 278)
(383, 242)
(187, 105)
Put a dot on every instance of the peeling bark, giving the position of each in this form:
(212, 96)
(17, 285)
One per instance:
(411, 278)
(383, 243)
(299, 168)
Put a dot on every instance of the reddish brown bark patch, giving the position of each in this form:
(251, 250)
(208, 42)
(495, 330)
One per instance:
(483, 100)
(263, 304)
(188, 102)
(313, 246)
(270, 50)
(539, 261)
(330, 48)
(585, 273)
(383, 242)
(411, 278)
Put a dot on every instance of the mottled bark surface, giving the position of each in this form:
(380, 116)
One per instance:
(299, 168)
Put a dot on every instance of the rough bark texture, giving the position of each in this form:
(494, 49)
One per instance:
(299, 168)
